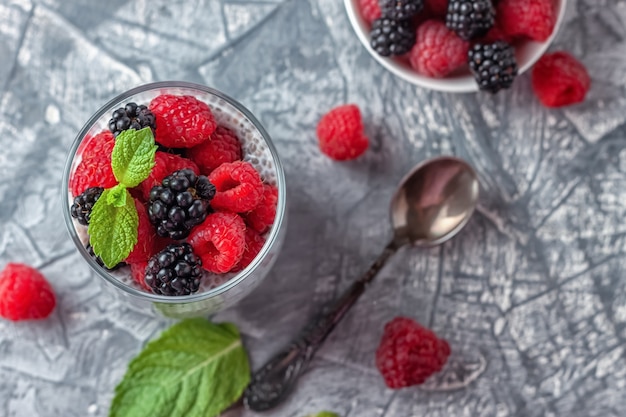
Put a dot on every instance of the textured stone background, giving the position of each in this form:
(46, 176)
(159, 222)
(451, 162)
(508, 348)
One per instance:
(533, 291)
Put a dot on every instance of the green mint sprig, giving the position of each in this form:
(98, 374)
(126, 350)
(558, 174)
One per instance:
(195, 368)
(114, 220)
(323, 414)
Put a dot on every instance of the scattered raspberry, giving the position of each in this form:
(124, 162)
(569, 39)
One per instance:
(409, 353)
(24, 293)
(181, 121)
(438, 50)
(262, 217)
(219, 241)
(239, 187)
(437, 7)
(138, 272)
(532, 18)
(94, 169)
(370, 10)
(254, 244)
(558, 79)
(340, 133)
(146, 235)
(221, 148)
(164, 164)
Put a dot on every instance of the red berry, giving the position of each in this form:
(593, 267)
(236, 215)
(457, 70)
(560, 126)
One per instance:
(94, 168)
(24, 293)
(437, 7)
(181, 121)
(531, 18)
(558, 79)
(370, 10)
(219, 241)
(164, 164)
(254, 244)
(239, 187)
(496, 34)
(221, 148)
(340, 133)
(138, 272)
(409, 353)
(262, 217)
(146, 236)
(438, 50)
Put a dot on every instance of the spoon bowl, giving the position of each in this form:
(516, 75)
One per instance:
(434, 201)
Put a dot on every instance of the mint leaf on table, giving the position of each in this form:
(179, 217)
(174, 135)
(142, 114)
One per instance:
(132, 158)
(195, 368)
(113, 226)
(323, 414)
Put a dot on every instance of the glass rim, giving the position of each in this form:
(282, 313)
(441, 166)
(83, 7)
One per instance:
(232, 282)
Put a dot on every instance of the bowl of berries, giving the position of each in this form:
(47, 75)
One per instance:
(456, 46)
(176, 198)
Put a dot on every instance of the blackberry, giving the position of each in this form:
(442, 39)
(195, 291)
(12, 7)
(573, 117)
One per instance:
(176, 270)
(99, 261)
(131, 116)
(392, 37)
(470, 19)
(400, 9)
(81, 209)
(180, 203)
(493, 65)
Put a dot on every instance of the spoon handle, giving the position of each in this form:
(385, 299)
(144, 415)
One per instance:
(271, 383)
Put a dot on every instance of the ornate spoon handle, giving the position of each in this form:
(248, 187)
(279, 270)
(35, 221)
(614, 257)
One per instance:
(271, 383)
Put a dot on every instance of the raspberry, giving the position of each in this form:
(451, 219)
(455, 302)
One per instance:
(262, 217)
(182, 121)
(400, 9)
(180, 203)
(131, 116)
(370, 10)
(437, 7)
(24, 293)
(438, 50)
(138, 273)
(409, 353)
(164, 164)
(94, 169)
(470, 19)
(558, 79)
(532, 18)
(340, 133)
(496, 34)
(146, 235)
(254, 244)
(392, 37)
(83, 204)
(239, 187)
(176, 270)
(219, 241)
(221, 148)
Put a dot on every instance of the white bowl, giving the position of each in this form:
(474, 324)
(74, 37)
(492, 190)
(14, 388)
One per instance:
(527, 54)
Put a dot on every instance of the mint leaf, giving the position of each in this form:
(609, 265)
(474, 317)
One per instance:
(132, 158)
(195, 368)
(323, 414)
(117, 196)
(113, 229)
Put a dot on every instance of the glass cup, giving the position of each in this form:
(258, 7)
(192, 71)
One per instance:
(217, 292)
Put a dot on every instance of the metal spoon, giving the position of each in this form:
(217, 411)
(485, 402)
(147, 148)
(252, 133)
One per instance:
(431, 205)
